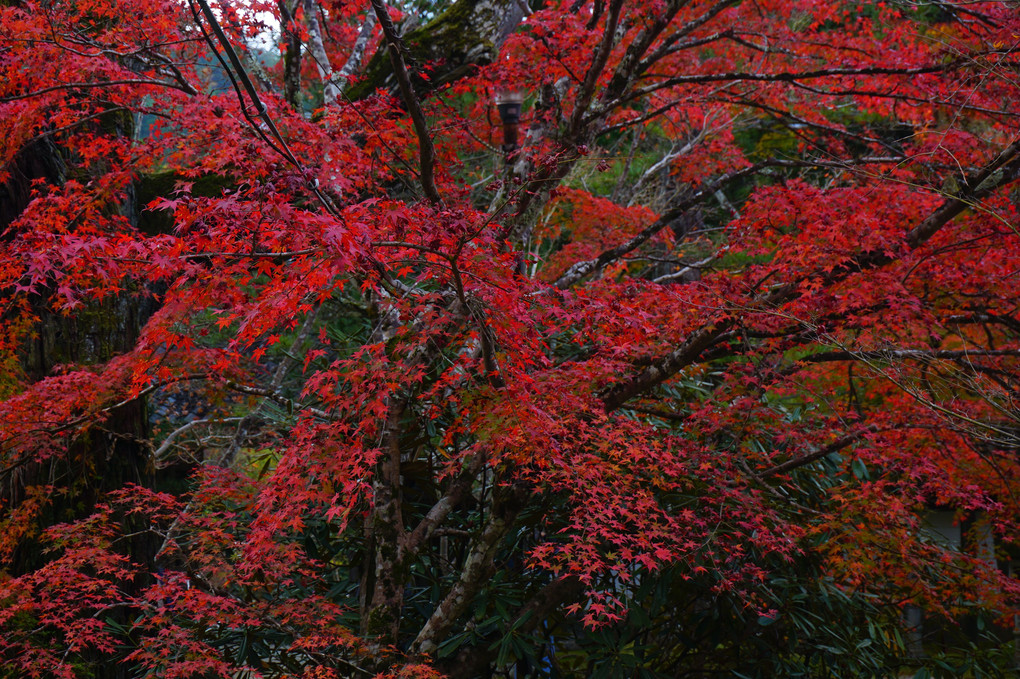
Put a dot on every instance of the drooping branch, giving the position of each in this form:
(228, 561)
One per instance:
(783, 76)
(579, 270)
(277, 143)
(183, 86)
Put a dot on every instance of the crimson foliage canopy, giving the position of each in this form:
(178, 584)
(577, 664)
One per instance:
(308, 371)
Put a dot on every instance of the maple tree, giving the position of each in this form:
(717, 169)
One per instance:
(666, 389)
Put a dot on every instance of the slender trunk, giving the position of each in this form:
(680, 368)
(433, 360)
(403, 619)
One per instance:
(334, 81)
(317, 47)
(381, 616)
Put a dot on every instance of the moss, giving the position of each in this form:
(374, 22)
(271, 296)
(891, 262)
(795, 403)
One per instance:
(94, 333)
(380, 622)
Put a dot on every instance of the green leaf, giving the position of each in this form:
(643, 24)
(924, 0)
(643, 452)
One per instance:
(860, 470)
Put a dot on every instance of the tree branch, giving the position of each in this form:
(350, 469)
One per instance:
(745, 76)
(598, 62)
(473, 575)
(1001, 171)
(918, 354)
(474, 661)
(442, 508)
(426, 150)
(834, 447)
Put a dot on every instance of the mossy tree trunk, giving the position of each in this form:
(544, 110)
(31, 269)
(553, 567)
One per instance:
(467, 35)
